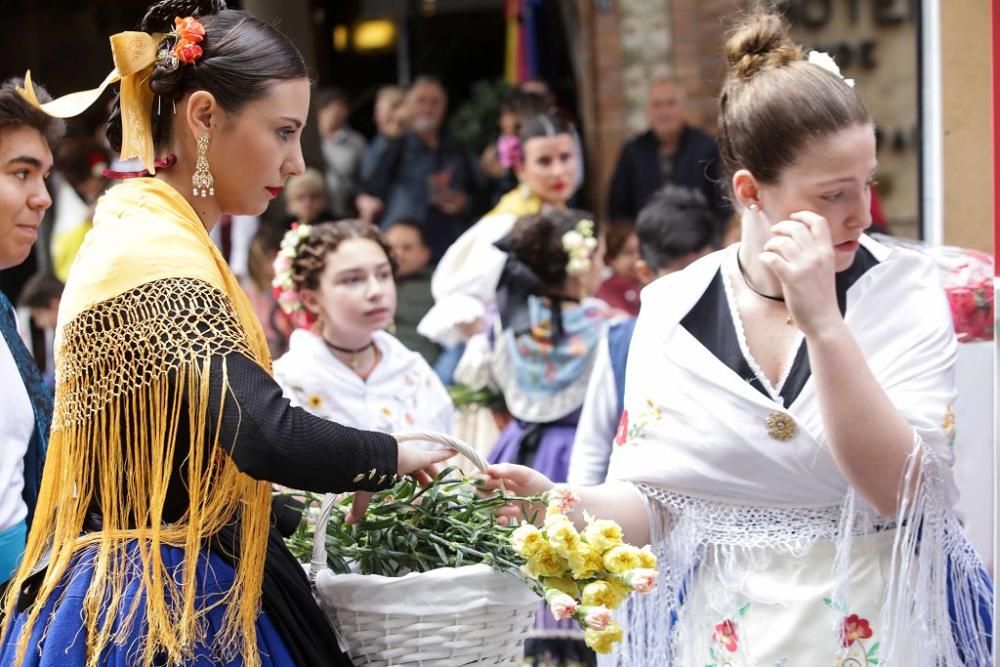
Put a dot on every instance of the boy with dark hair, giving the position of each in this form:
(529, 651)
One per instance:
(675, 228)
(27, 136)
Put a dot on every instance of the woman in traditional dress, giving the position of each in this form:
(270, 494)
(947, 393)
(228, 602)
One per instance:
(786, 442)
(539, 353)
(154, 540)
(465, 279)
(337, 279)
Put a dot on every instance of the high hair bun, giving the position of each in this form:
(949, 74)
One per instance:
(160, 16)
(758, 43)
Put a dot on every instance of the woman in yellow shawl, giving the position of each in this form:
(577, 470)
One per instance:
(154, 540)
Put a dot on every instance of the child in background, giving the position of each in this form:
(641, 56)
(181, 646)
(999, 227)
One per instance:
(336, 281)
(539, 352)
(306, 201)
(621, 289)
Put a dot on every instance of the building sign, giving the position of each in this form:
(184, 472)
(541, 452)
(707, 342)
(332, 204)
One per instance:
(875, 43)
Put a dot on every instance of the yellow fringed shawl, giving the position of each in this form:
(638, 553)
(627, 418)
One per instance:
(148, 294)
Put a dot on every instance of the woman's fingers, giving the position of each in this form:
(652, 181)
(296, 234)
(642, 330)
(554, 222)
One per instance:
(795, 230)
(359, 505)
(785, 246)
(818, 227)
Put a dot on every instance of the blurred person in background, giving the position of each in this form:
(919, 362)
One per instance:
(80, 180)
(306, 199)
(342, 150)
(418, 173)
(41, 295)
(621, 289)
(413, 285)
(671, 151)
(389, 115)
(496, 161)
(465, 280)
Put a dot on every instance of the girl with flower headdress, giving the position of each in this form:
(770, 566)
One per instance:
(786, 443)
(154, 539)
(335, 280)
(539, 352)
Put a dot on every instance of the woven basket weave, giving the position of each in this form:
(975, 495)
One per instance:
(441, 618)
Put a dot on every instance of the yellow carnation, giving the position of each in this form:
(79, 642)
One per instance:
(603, 534)
(622, 590)
(600, 594)
(563, 584)
(526, 540)
(647, 558)
(621, 559)
(585, 561)
(546, 562)
(554, 519)
(601, 641)
(563, 538)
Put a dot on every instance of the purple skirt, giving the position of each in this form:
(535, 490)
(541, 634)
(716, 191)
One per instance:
(544, 447)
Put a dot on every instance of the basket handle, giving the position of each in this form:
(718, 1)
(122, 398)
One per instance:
(318, 561)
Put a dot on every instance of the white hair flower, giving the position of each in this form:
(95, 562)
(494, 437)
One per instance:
(826, 61)
(579, 243)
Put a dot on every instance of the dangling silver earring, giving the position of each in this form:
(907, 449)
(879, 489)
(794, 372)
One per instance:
(204, 184)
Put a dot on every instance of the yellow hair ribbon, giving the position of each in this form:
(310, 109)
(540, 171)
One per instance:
(134, 55)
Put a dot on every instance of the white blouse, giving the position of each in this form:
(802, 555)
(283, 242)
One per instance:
(401, 394)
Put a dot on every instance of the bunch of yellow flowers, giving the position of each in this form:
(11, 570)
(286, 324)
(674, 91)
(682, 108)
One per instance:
(584, 575)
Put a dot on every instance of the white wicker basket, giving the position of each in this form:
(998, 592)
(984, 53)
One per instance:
(442, 618)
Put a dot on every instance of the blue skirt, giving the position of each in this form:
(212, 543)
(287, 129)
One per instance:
(63, 644)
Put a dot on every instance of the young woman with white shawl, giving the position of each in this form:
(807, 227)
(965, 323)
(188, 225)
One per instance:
(786, 441)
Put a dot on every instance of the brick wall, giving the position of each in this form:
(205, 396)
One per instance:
(622, 49)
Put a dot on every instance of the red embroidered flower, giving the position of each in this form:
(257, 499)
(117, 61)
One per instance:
(189, 29)
(853, 629)
(187, 52)
(621, 435)
(725, 634)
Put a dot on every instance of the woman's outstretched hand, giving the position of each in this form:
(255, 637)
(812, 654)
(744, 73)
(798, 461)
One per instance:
(410, 459)
(516, 480)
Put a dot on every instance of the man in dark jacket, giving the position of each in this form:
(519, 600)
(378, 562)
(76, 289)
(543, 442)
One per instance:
(669, 152)
(420, 174)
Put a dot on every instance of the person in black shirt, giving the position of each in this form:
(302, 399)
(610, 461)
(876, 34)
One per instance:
(671, 151)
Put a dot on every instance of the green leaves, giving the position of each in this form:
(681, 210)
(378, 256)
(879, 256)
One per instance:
(409, 528)
(465, 396)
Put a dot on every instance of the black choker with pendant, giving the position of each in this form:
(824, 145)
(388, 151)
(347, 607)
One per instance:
(354, 353)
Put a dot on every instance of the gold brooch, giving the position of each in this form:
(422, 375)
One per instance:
(781, 426)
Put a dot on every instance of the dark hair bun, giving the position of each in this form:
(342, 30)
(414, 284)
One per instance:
(760, 42)
(537, 241)
(241, 57)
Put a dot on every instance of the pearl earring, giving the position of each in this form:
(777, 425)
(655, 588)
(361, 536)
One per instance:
(753, 207)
